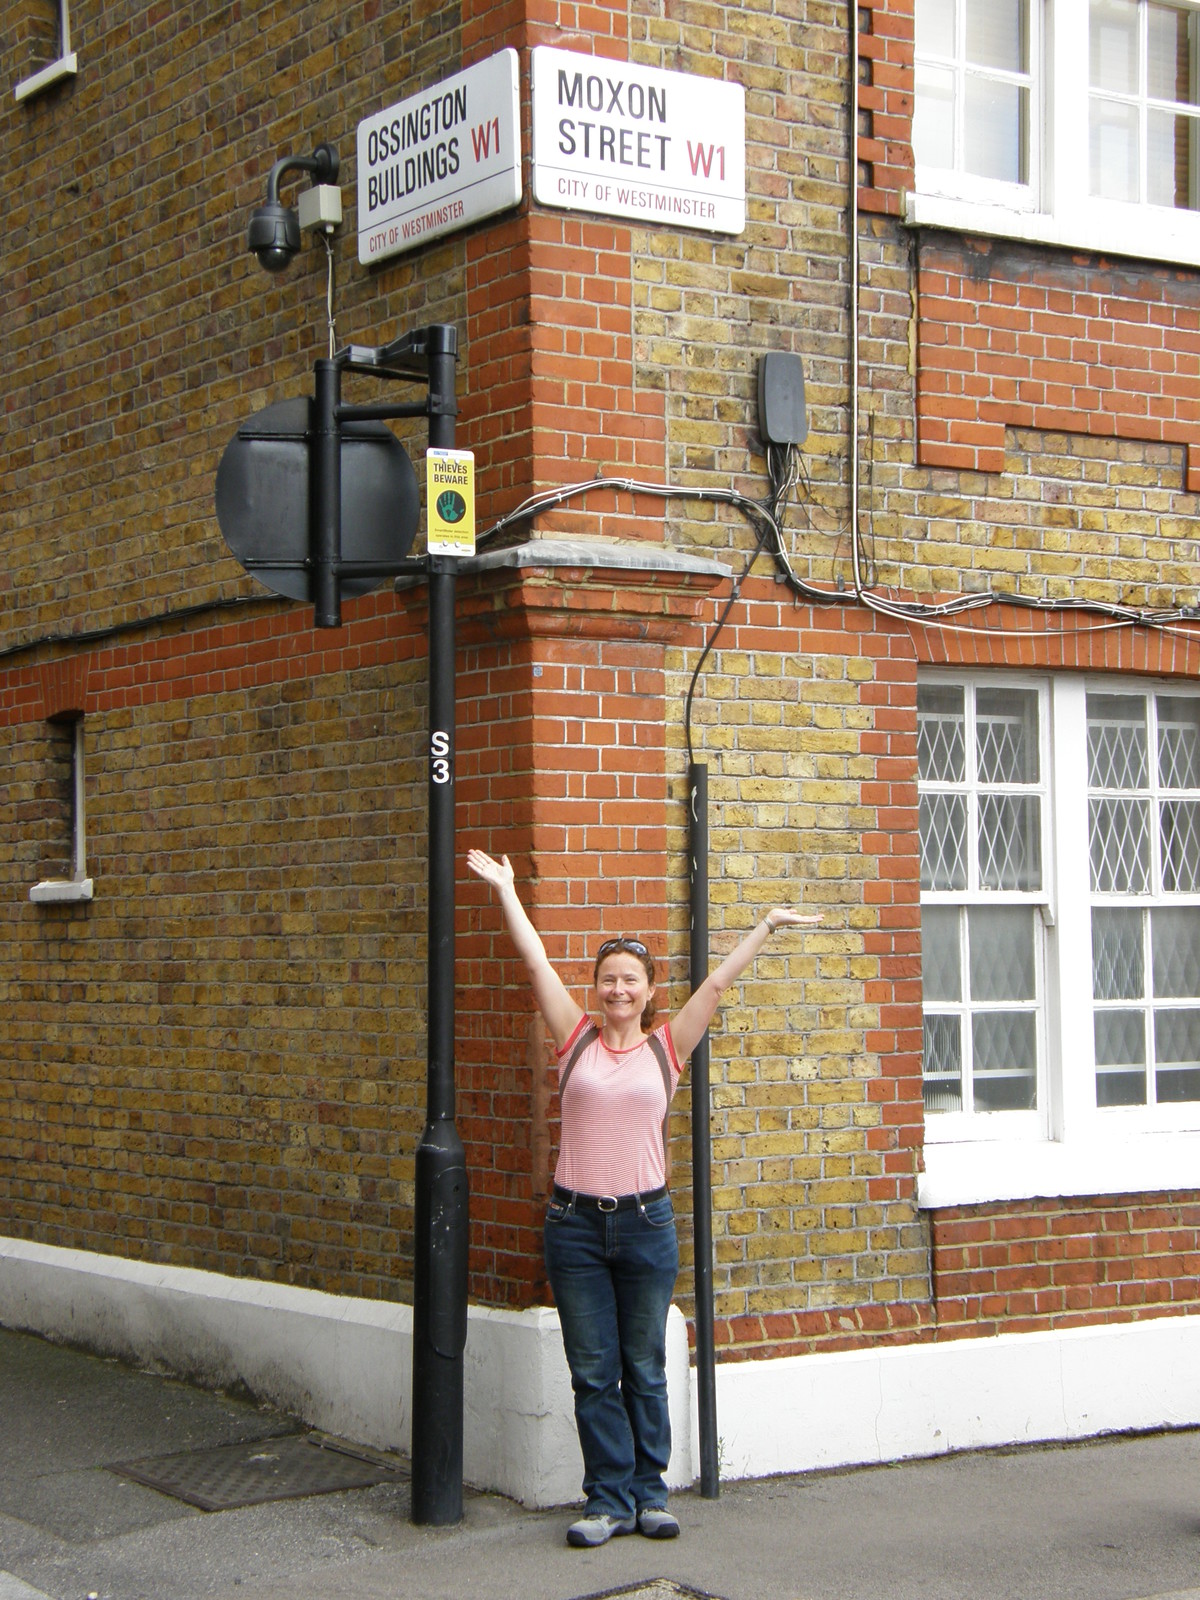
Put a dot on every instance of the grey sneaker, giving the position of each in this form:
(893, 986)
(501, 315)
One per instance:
(656, 1522)
(599, 1529)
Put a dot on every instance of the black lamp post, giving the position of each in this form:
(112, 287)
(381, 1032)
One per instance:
(429, 356)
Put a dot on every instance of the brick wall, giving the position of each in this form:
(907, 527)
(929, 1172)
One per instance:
(220, 1061)
(140, 332)
(1013, 337)
(1062, 1264)
(885, 103)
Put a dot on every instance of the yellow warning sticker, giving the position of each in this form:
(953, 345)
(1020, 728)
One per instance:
(450, 502)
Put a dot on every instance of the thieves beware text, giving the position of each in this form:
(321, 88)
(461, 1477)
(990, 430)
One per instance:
(440, 160)
(666, 148)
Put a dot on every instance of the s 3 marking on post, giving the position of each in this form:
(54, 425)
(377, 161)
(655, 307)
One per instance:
(439, 756)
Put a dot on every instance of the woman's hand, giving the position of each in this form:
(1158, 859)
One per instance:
(687, 1028)
(561, 1013)
(785, 917)
(499, 874)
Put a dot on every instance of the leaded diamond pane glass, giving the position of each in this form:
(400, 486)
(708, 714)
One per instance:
(1178, 742)
(943, 821)
(1177, 1055)
(941, 954)
(1004, 1048)
(1006, 733)
(941, 734)
(1120, 1039)
(1118, 955)
(1120, 845)
(1002, 953)
(1175, 938)
(1179, 843)
(1116, 741)
(1120, 1058)
(1010, 841)
(942, 1065)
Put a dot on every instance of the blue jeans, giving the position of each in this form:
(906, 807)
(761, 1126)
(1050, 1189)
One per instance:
(613, 1275)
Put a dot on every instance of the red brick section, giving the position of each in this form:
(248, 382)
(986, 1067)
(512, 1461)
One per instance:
(271, 647)
(1014, 337)
(885, 99)
(562, 767)
(550, 393)
(1060, 1264)
(1061, 640)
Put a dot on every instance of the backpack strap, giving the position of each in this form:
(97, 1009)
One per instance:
(590, 1032)
(664, 1066)
(585, 1038)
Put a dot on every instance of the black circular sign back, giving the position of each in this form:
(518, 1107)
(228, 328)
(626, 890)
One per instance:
(262, 498)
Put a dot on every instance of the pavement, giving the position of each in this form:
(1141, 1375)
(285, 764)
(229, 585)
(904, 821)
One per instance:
(1115, 1519)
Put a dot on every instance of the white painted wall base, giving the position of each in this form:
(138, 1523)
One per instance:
(344, 1365)
(339, 1364)
(857, 1407)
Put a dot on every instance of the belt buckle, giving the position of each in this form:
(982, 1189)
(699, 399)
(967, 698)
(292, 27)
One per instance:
(607, 1203)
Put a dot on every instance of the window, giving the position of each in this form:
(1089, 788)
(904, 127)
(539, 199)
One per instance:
(1060, 933)
(1142, 104)
(65, 854)
(973, 113)
(981, 809)
(1144, 848)
(50, 18)
(1021, 129)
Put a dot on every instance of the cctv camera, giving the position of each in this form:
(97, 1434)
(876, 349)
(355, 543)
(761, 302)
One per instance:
(274, 235)
(274, 232)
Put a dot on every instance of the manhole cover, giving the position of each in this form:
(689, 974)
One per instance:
(286, 1468)
(654, 1589)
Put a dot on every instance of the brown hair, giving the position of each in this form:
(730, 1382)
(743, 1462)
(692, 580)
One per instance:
(633, 947)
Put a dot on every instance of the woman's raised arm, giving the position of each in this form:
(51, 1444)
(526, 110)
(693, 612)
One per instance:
(560, 1011)
(687, 1028)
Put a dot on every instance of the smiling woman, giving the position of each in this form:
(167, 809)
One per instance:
(611, 1251)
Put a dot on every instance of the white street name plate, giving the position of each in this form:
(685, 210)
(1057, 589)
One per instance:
(440, 160)
(666, 148)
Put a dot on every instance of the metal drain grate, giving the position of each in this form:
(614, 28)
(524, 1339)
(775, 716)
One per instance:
(285, 1468)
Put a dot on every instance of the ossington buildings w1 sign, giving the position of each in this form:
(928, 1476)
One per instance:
(440, 160)
(665, 148)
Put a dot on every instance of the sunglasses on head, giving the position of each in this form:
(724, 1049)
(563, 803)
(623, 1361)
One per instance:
(609, 945)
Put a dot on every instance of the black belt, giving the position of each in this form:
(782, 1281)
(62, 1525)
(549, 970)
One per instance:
(607, 1202)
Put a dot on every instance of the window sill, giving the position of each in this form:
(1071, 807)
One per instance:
(1145, 232)
(61, 891)
(975, 1174)
(64, 67)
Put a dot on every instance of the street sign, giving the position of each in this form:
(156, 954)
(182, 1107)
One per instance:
(440, 160)
(666, 149)
(263, 499)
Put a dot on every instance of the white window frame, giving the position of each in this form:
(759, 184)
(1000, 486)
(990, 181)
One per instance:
(950, 1126)
(1072, 1147)
(1055, 207)
(78, 887)
(66, 65)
